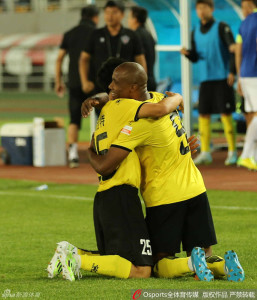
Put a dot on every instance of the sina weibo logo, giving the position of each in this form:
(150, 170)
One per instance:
(137, 294)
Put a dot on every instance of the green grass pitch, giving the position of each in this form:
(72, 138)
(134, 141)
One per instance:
(31, 222)
(23, 107)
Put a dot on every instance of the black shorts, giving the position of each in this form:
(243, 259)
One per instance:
(188, 222)
(216, 97)
(120, 226)
(76, 98)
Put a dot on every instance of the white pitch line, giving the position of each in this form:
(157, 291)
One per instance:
(37, 194)
(234, 207)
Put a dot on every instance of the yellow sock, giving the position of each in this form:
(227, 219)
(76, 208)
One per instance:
(217, 265)
(205, 133)
(170, 267)
(88, 252)
(229, 131)
(111, 265)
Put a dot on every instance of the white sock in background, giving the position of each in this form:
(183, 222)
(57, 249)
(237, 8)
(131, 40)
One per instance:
(249, 149)
(255, 152)
(73, 151)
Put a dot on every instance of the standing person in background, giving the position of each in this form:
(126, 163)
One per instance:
(211, 41)
(137, 19)
(74, 41)
(248, 7)
(247, 73)
(113, 40)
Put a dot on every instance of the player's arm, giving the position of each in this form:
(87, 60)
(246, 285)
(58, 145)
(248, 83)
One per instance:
(193, 144)
(238, 53)
(130, 137)
(59, 85)
(146, 110)
(191, 54)
(140, 59)
(108, 163)
(164, 107)
(84, 60)
(98, 101)
(227, 38)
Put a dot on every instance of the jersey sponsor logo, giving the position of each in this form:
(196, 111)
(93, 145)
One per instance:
(126, 130)
(125, 39)
(102, 39)
(147, 249)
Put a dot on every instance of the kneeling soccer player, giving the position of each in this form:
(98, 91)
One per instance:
(172, 187)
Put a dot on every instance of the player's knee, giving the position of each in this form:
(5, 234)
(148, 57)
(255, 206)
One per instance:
(140, 272)
(146, 272)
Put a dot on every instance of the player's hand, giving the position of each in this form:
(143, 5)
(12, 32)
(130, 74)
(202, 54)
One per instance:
(87, 106)
(59, 89)
(88, 87)
(181, 105)
(231, 79)
(193, 144)
(184, 51)
(232, 48)
(239, 89)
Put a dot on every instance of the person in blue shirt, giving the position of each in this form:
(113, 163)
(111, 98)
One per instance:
(247, 9)
(247, 72)
(211, 41)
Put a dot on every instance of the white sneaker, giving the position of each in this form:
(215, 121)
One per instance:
(204, 158)
(54, 268)
(231, 158)
(67, 256)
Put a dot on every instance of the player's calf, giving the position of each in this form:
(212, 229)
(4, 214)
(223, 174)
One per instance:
(200, 266)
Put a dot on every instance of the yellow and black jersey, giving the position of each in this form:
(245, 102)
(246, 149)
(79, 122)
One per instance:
(113, 117)
(169, 174)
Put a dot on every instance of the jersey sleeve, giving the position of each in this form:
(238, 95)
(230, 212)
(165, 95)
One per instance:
(89, 45)
(138, 46)
(226, 34)
(239, 39)
(132, 135)
(192, 56)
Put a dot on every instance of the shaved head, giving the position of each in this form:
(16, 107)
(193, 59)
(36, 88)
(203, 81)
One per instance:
(133, 72)
(129, 80)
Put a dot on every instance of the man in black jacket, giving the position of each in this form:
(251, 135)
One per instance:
(137, 19)
(74, 41)
(112, 40)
